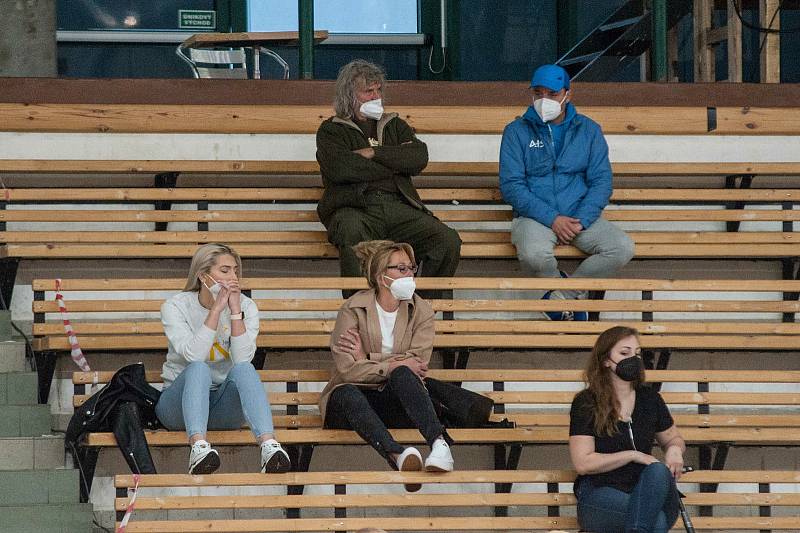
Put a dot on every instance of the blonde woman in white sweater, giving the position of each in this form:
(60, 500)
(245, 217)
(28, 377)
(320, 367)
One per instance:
(209, 380)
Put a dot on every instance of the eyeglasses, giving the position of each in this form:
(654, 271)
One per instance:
(404, 268)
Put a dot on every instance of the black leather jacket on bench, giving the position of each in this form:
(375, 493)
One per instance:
(126, 407)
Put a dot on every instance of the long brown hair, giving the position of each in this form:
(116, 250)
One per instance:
(597, 376)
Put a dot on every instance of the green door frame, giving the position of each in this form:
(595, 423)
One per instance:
(566, 26)
(231, 15)
(430, 21)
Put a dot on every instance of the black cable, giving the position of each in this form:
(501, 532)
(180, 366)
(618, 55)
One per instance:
(77, 460)
(761, 29)
(769, 27)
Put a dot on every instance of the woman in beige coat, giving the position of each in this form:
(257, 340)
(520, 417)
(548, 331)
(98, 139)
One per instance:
(381, 347)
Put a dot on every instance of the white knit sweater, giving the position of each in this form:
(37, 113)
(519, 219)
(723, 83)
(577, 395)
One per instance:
(191, 340)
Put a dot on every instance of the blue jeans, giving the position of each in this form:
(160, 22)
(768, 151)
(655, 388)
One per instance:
(652, 506)
(190, 404)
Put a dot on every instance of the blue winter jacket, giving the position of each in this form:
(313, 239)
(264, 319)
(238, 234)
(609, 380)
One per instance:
(541, 186)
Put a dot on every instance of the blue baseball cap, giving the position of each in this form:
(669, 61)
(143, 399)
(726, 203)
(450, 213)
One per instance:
(553, 77)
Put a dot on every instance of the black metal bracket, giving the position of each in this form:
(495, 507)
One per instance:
(647, 296)
(8, 276)
(84, 458)
(340, 512)
(451, 359)
(703, 408)
(653, 363)
(300, 456)
(710, 461)
(553, 510)
(164, 180)
(764, 511)
(594, 316)
(455, 360)
(260, 358)
(505, 461)
(791, 270)
(711, 119)
(448, 359)
(122, 492)
(202, 226)
(462, 358)
(45, 368)
(292, 387)
(745, 180)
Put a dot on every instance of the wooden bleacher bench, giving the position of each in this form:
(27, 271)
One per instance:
(540, 410)
(306, 167)
(463, 206)
(449, 119)
(111, 331)
(304, 320)
(772, 328)
(470, 509)
(731, 423)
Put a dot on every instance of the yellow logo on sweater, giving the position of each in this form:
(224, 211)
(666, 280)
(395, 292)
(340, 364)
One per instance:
(216, 348)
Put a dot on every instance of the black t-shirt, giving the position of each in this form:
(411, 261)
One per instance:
(369, 128)
(650, 416)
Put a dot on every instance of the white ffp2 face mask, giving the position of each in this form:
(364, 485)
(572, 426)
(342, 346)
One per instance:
(372, 109)
(214, 289)
(548, 109)
(402, 288)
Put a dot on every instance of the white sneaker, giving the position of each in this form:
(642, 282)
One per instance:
(203, 459)
(410, 461)
(274, 460)
(440, 459)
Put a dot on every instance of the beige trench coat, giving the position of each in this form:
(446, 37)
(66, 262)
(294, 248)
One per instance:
(413, 337)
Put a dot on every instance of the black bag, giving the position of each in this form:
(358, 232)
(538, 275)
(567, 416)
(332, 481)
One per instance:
(458, 407)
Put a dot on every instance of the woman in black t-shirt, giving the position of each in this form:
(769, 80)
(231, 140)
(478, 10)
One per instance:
(613, 423)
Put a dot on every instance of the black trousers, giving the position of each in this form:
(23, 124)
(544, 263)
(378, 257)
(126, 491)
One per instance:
(403, 403)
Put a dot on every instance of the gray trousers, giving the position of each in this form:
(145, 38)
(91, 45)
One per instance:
(609, 249)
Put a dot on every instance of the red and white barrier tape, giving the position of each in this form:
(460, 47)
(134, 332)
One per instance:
(131, 505)
(76, 352)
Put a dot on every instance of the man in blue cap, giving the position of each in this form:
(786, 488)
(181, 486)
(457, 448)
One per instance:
(555, 173)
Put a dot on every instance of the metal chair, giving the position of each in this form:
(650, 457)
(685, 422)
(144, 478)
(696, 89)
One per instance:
(227, 64)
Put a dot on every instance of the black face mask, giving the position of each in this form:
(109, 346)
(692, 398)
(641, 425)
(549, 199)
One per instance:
(630, 369)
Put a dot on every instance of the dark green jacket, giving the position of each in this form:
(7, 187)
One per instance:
(346, 175)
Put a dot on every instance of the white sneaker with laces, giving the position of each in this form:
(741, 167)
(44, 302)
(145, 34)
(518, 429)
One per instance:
(203, 459)
(274, 459)
(410, 461)
(440, 459)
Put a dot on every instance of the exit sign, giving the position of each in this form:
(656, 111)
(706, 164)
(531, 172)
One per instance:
(193, 19)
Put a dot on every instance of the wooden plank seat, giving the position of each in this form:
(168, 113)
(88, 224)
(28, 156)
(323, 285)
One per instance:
(536, 492)
(434, 168)
(111, 331)
(468, 208)
(297, 119)
(538, 400)
(758, 314)
(710, 420)
(455, 118)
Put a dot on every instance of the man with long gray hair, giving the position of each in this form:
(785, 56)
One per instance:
(367, 158)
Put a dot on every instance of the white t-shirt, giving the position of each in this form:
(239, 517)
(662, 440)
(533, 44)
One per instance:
(191, 340)
(386, 320)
